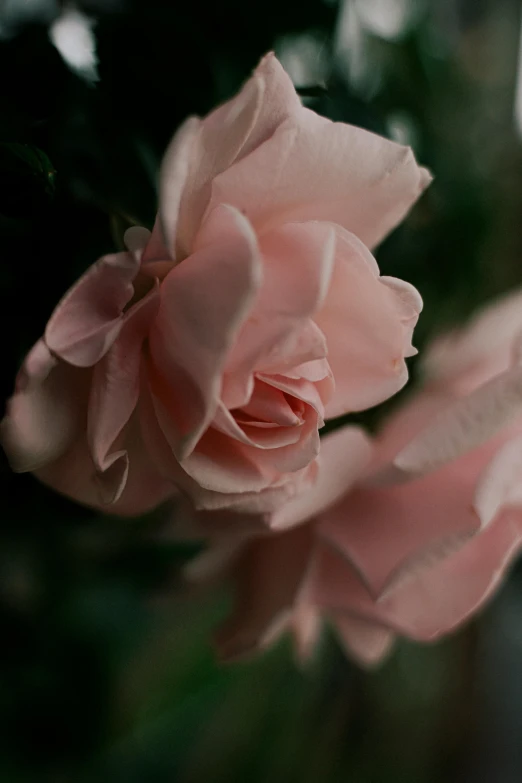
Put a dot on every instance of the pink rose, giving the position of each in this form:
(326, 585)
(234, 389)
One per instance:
(210, 354)
(375, 557)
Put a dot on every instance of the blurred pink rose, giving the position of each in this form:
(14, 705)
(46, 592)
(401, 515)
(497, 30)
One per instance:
(210, 354)
(375, 557)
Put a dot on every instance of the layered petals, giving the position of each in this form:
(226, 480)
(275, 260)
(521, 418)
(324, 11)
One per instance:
(441, 596)
(411, 533)
(368, 323)
(203, 304)
(388, 533)
(127, 487)
(297, 265)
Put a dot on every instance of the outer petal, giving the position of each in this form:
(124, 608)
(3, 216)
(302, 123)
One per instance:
(448, 593)
(471, 356)
(268, 580)
(439, 598)
(313, 169)
(46, 411)
(392, 532)
(409, 304)
(400, 429)
(88, 319)
(336, 587)
(175, 172)
(116, 380)
(306, 627)
(202, 150)
(280, 101)
(128, 489)
(500, 486)
(363, 322)
(344, 456)
(365, 641)
(203, 304)
(464, 424)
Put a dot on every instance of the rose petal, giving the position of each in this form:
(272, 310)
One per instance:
(130, 486)
(270, 405)
(393, 531)
(297, 261)
(88, 319)
(222, 464)
(445, 595)
(116, 380)
(362, 319)
(174, 175)
(471, 356)
(409, 304)
(272, 438)
(251, 502)
(227, 135)
(367, 642)
(299, 345)
(155, 251)
(203, 304)
(306, 626)
(464, 424)
(301, 389)
(268, 580)
(314, 169)
(501, 484)
(344, 455)
(46, 411)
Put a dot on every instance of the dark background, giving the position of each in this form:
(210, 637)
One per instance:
(106, 671)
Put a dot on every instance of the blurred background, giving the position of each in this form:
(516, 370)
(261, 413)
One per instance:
(106, 670)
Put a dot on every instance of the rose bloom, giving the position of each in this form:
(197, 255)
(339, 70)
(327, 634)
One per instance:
(208, 356)
(409, 534)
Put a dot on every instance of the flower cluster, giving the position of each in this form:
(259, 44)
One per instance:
(204, 360)
(407, 533)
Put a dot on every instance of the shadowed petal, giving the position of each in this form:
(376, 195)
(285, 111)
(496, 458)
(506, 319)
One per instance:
(46, 411)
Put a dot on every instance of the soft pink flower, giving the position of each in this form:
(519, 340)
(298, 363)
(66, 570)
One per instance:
(376, 557)
(210, 354)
